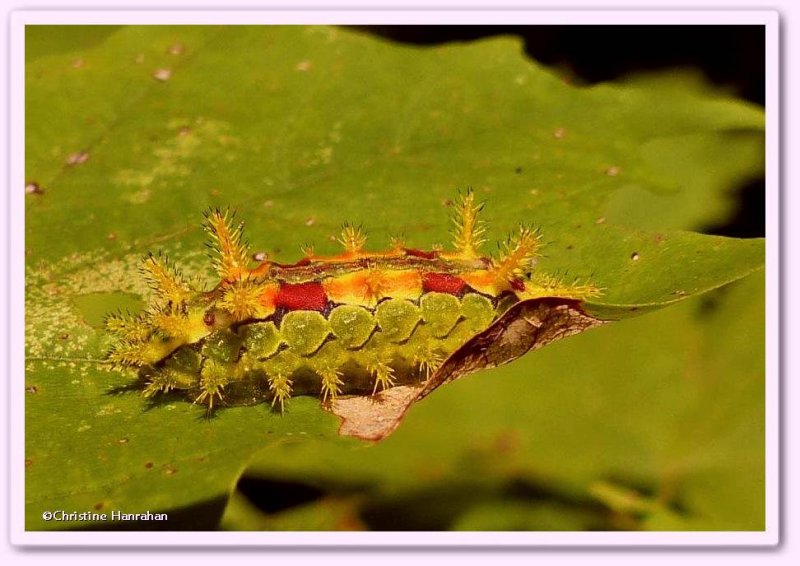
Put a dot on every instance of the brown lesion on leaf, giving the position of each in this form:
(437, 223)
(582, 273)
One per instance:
(527, 325)
(33, 188)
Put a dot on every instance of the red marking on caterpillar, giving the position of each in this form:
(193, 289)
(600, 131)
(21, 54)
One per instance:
(442, 283)
(301, 263)
(421, 253)
(309, 296)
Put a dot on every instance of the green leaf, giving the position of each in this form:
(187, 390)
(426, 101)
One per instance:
(132, 132)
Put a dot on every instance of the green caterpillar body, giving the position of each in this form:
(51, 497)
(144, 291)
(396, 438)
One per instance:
(307, 350)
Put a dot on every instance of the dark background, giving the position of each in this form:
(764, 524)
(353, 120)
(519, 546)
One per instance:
(732, 57)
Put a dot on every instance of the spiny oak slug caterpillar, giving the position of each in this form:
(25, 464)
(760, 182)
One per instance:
(353, 322)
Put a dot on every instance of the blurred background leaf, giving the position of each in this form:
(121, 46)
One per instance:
(652, 423)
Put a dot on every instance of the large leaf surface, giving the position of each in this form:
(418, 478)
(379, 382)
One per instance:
(132, 132)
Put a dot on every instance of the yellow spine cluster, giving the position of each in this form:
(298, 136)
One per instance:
(468, 231)
(352, 238)
(231, 254)
(518, 254)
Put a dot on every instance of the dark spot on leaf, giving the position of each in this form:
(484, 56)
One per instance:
(99, 505)
(506, 442)
(170, 470)
(32, 389)
(33, 188)
(28, 463)
(148, 465)
(518, 170)
(635, 256)
(709, 303)
(63, 336)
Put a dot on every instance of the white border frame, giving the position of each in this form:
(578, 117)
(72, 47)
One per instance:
(19, 536)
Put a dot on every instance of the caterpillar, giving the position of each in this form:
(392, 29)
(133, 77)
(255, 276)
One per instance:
(356, 322)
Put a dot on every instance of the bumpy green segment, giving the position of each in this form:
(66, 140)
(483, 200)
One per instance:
(398, 335)
(304, 331)
(352, 325)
